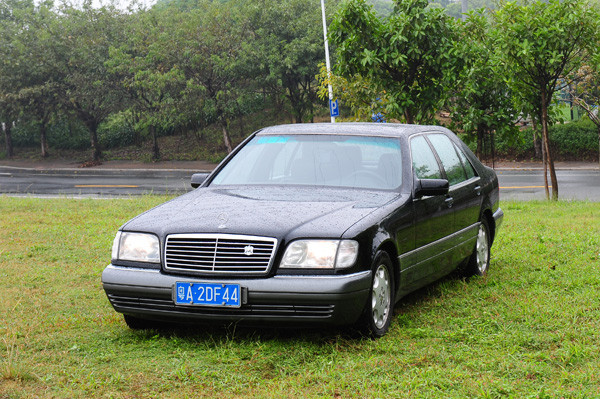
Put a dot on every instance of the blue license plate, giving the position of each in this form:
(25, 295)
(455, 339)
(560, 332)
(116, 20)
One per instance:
(208, 294)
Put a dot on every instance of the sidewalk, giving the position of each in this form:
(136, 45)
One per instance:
(202, 166)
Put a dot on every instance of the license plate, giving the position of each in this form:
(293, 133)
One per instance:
(208, 294)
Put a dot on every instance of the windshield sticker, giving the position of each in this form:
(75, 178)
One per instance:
(272, 139)
(379, 142)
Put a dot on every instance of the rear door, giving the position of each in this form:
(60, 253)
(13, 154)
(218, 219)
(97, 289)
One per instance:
(464, 194)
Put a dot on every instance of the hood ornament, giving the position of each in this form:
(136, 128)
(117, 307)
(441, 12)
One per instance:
(223, 219)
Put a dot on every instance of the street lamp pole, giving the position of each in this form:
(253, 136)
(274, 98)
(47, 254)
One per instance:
(328, 65)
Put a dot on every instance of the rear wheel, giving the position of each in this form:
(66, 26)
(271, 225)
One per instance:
(378, 311)
(479, 262)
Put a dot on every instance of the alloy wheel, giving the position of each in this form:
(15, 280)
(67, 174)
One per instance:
(381, 296)
(482, 250)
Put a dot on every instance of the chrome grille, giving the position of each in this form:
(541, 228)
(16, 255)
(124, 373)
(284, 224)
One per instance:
(216, 254)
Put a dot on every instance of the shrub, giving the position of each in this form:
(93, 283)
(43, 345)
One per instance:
(576, 140)
(68, 134)
(64, 133)
(116, 132)
(569, 141)
(25, 134)
(519, 145)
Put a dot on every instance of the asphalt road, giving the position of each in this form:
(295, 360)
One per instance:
(93, 182)
(580, 184)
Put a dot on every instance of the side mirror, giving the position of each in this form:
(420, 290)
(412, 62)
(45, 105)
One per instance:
(431, 187)
(198, 179)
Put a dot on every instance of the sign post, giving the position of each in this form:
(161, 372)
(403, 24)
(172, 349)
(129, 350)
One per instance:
(328, 66)
(334, 110)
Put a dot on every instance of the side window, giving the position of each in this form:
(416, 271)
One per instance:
(449, 158)
(424, 163)
(465, 161)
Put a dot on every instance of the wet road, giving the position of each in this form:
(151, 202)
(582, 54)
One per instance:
(529, 184)
(581, 184)
(93, 183)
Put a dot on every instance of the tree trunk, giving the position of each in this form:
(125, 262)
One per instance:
(480, 135)
(545, 163)
(96, 150)
(241, 123)
(493, 149)
(409, 117)
(155, 149)
(226, 138)
(549, 160)
(44, 140)
(537, 143)
(8, 139)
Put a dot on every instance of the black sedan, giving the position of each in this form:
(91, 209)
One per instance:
(312, 224)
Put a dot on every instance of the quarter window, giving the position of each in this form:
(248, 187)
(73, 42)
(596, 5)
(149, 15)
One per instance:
(424, 163)
(468, 167)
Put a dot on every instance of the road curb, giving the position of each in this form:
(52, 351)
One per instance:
(541, 169)
(98, 171)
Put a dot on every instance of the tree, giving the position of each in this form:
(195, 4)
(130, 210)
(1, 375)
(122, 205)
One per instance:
(209, 47)
(148, 75)
(11, 12)
(411, 55)
(42, 60)
(482, 104)
(287, 47)
(541, 44)
(356, 93)
(32, 64)
(91, 92)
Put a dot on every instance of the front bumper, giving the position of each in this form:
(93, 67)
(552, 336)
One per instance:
(334, 300)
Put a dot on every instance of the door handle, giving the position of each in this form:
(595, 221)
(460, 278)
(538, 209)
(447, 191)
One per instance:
(449, 202)
(477, 190)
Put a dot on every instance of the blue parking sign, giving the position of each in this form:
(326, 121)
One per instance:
(334, 110)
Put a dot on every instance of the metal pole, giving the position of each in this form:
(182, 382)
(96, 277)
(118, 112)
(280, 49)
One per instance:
(327, 64)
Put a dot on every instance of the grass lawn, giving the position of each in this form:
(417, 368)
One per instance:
(531, 328)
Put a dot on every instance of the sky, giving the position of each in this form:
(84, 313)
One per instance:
(123, 4)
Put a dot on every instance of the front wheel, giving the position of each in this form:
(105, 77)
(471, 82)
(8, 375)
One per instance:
(479, 262)
(135, 323)
(379, 308)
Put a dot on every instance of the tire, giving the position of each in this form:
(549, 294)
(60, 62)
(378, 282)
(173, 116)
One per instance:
(377, 315)
(136, 323)
(479, 262)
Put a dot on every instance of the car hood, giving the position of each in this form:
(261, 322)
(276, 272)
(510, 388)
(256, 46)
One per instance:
(279, 212)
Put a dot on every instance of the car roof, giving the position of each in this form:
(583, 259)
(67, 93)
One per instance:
(351, 128)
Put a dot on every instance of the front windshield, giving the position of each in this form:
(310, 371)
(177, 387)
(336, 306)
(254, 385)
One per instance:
(316, 160)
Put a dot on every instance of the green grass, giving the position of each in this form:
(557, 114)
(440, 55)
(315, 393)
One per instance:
(530, 329)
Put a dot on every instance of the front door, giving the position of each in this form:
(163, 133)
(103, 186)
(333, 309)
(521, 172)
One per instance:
(433, 220)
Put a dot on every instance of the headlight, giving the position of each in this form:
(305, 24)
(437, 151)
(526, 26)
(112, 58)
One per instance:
(137, 247)
(320, 254)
